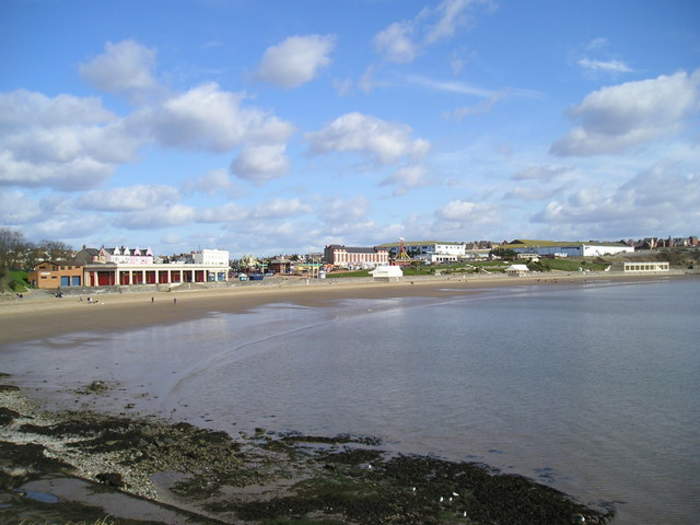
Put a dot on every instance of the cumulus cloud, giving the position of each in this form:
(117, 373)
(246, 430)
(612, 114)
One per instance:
(613, 119)
(281, 208)
(296, 60)
(157, 217)
(345, 209)
(384, 142)
(229, 212)
(17, 209)
(613, 66)
(407, 178)
(64, 142)
(531, 194)
(403, 41)
(461, 211)
(209, 118)
(131, 198)
(68, 226)
(212, 183)
(664, 197)
(261, 163)
(125, 68)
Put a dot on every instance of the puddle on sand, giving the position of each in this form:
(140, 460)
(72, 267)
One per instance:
(114, 503)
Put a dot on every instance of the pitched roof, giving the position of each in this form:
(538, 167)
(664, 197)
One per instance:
(356, 249)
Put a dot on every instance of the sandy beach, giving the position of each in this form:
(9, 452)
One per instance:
(47, 316)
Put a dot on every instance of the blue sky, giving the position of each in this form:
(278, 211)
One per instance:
(280, 127)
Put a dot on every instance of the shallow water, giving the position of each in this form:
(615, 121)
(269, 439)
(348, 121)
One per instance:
(592, 389)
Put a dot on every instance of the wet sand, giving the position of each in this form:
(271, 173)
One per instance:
(37, 318)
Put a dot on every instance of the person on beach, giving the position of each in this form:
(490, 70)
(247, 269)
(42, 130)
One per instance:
(174, 300)
(152, 299)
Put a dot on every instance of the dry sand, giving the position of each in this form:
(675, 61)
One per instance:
(26, 319)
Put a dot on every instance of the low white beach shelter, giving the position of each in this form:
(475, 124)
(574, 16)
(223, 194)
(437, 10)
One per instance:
(387, 273)
(517, 270)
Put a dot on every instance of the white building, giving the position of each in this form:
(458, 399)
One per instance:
(430, 251)
(643, 267)
(568, 249)
(211, 257)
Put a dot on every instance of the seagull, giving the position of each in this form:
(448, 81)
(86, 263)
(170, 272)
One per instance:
(442, 499)
(455, 494)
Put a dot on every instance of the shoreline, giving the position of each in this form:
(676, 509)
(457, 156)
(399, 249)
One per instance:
(38, 318)
(81, 465)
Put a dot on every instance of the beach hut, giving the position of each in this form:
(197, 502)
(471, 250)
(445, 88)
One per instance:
(517, 270)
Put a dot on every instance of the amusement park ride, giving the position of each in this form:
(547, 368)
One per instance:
(402, 259)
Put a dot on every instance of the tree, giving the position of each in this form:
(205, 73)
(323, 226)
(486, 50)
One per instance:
(504, 253)
(12, 249)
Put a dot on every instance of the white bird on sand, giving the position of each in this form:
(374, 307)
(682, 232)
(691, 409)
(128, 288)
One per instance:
(442, 499)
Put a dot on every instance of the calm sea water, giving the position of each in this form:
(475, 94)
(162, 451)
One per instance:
(592, 389)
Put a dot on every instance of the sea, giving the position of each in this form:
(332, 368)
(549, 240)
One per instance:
(593, 389)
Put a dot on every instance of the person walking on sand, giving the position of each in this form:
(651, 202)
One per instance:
(174, 300)
(152, 299)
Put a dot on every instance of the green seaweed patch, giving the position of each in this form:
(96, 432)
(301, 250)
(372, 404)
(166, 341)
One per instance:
(7, 416)
(31, 459)
(351, 456)
(340, 439)
(96, 387)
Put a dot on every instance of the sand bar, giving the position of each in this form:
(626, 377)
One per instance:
(46, 316)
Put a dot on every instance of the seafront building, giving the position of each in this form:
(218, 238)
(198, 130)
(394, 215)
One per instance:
(568, 249)
(429, 251)
(649, 266)
(123, 266)
(355, 257)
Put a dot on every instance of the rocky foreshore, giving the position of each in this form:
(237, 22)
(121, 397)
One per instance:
(191, 475)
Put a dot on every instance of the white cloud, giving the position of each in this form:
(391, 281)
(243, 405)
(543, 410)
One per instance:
(542, 172)
(385, 142)
(65, 142)
(403, 41)
(71, 226)
(296, 60)
(158, 217)
(342, 210)
(213, 183)
(229, 212)
(208, 118)
(131, 198)
(613, 66)
(281, 208)
(407, 178)
(261, 163)
(125, 68)
(531, 194)
(451, 86)
(16, 209)
(460, 211)
(450, 15)
(662, 199)
(22, 109)
(597, 43)
(479, 108)
(613, 119)
(396, 44)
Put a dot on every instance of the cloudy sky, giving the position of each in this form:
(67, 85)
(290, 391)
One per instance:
(277, 126)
